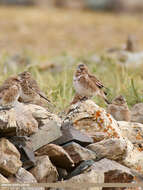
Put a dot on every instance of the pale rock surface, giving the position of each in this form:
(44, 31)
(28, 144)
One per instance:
(90, 118)
(9, 158)
(113, 171)
(23, 176)
(133, 158)
(79, 153)
(4, 180)
(57, 155)
(114, 149)
(131, 130)
(25, 119)
(85, 179)
(47, 133)
(44, 171)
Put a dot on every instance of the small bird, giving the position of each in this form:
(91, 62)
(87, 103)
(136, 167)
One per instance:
(119, 109)
(10, 92)
(31, 92)
(86, 84)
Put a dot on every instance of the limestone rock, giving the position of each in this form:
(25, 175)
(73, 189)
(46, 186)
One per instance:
(17, 120)
(23, 176)
(3, 180)
(114, 149)
(134, 157)
(78, 153)
(99, 136)
(45, 134)
(44, 171)
(9, 158)
(133, 133)
(25, 119)
(131, 130)
(57, 155)
(113, 171)
(42, 115)
(88, 177)
(137, 113)
(90, 118)
(24, 146)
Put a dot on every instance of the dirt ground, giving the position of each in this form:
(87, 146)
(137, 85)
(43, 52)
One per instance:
(56, 31)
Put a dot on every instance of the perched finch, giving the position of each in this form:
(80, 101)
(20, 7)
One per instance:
(10, 91)
(31, 92)
(86, 84)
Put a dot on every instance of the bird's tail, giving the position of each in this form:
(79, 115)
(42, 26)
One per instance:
(107, 101)
(103, 95)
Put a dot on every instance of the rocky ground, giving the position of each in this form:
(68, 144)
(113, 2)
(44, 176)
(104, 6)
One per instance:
(86, 145)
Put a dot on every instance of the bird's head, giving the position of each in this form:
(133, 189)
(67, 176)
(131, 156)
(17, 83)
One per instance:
(25, 75)
(82, 68)
(120, 100)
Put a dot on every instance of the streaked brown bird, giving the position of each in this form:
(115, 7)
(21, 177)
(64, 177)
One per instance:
(119, 109)
(86, 84)
(31, 92)
(10, 91)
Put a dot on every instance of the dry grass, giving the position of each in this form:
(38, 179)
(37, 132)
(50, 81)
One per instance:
(52, 31)
(65, 37)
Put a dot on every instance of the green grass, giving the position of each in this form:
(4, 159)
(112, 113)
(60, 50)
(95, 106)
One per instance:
(56, 81)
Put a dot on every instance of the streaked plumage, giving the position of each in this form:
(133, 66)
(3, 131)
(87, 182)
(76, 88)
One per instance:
(10, 91)
(119, 109)
(31, 92)
(86, 84)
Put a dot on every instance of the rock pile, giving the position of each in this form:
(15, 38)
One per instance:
(87, 146)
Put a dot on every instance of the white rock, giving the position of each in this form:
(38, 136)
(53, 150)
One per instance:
(44, 171)
(90, 118)
(9, 158)
(23, 176)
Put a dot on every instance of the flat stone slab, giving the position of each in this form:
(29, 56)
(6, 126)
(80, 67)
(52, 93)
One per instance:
(45, 135)
(79, 153)
(69, 133)
(57, 155)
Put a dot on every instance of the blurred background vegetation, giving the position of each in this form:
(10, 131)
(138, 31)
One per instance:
(50, 37)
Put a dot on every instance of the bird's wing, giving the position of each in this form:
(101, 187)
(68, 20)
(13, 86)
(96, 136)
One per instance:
(32, 83)
(34, 86)
(4, 87)
(96, 81)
